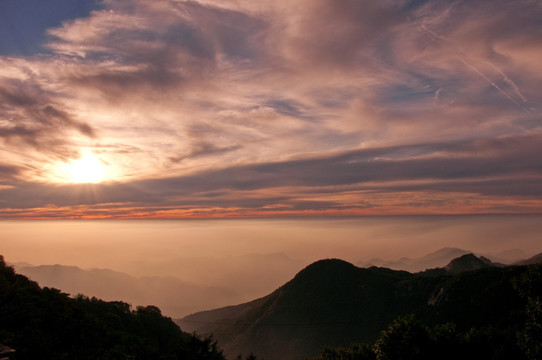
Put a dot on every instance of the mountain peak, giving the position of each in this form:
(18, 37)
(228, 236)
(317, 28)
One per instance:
(468, 262)
(432, 260)
(327, 266)
(323, 274)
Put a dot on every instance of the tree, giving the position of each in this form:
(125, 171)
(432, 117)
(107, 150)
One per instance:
(530, 287)
(48, 324)
(404, 339)
(354, 352)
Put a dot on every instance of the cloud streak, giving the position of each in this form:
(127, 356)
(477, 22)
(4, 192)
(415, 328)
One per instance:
(501, 173)
(207, 108)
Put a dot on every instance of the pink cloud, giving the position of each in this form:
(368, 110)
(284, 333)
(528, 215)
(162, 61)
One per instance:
(172, 89)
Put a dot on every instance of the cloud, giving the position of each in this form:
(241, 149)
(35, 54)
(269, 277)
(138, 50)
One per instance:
(31, 117)
(356, 180)
(8, 173)
(204, 149)
(290, 105)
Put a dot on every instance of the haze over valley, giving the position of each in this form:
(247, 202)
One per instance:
(189, 266)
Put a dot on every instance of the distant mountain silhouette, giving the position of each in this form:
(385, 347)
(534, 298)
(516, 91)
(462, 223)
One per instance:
(435, 259)
(532, 260)
(173, 296)
(334, 303)
(267, 272)
(464, 263)
(44, 323)
(468, 262)
(507, 257)
(440, 258)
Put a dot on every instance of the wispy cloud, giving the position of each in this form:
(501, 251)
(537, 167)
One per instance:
(281, 107)
(482, 172)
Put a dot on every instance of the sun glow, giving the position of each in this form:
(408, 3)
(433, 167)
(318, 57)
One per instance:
(88, 168)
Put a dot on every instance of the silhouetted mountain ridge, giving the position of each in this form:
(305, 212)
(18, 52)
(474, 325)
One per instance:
(179, 286)
(432, 260)
(332, 302)
(308, 301)
(440, 258)
(44, 323)
(468, 262)
(532, 260)
(464, 263)
(174, 296)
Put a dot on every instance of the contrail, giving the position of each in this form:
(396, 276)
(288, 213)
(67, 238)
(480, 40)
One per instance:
(441, 40)
(488, 79)
(508, 81)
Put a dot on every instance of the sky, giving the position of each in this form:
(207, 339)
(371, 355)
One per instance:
(297, 108)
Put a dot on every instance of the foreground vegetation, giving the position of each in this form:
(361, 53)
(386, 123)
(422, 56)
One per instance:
(407, 338)
(469, 306)
(491, 313)
(48, 324)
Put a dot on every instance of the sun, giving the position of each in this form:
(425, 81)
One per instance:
(88, 168)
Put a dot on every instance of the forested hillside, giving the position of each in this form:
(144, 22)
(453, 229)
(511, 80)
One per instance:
(471, 303)
(408, 338)
(48, 324)
(469, 309)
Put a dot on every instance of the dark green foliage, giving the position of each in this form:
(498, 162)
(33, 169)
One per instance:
(405, 339)
(48, 324)
(354, 352)
(249, 357)
(530, 287)
(492, 313)
(329, 302)
(482, 298)
(333, 303)
(408, 339)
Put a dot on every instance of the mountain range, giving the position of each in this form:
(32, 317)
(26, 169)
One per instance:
(471, 304)
(44, 323)
(214, 282)
(530, 261)
(440, 258)
(173, 296)
(334, 303)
